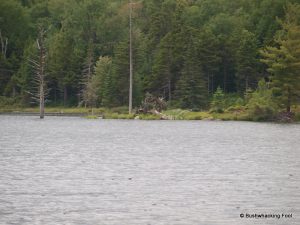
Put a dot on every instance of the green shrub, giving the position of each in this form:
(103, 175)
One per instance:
(9, 102)
(261, 105)
(233, 99)
(297, 117)
(236, 108)
(196, 116)
(218, 101)
(193, 117)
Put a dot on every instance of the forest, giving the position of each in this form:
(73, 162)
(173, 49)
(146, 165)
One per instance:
(198, 55)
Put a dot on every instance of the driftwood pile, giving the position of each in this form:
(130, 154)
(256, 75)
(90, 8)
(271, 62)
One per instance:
(286, 117)
(153, 105)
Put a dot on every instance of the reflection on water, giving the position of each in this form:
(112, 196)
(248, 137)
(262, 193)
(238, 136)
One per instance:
(78, 171)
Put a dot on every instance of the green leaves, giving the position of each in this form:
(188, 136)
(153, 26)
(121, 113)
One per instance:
(218, 103)
(284, 61)
(262, 105)
(183, 50)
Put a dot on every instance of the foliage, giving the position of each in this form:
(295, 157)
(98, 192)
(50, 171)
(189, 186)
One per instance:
(297, 113)
(284, 61)
(182, 51)
(5, 101)
(225, 102)
(261, 105)
(103, 81)
(191, 87)
(247, 62)
(218, 104)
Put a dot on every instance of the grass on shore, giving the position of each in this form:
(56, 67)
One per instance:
(95, 113)
(179, 114)
(122, 113)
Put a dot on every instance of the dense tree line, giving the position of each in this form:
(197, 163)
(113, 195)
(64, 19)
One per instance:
(183, 50)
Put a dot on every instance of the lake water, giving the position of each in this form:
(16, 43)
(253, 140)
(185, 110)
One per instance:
(88, 172)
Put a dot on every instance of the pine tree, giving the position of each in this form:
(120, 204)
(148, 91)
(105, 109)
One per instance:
(246, 62)
(121, 72)
(217, 104)
(284, 61)
(104, 80)
(192, 88)
(209, 57)
(162, 76)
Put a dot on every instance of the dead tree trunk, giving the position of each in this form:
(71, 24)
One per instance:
(42, 73)
(39, 66)
(87, 75)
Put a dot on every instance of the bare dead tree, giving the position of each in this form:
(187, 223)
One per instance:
(130, 59)
(39, 65)
(87, 73)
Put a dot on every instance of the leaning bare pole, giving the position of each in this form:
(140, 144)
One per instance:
(130, 57)
(39, 70)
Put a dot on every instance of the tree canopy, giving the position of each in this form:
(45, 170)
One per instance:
(183, 50)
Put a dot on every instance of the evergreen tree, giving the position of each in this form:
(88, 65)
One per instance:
(14, 30)
(209, 57)
(217, 104)
(191, 88)
(121, 72)
(246, 62)
(284, 61)
(228, 34)
(104, 80)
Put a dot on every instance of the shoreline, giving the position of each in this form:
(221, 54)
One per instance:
(46, 114)
(100, 113)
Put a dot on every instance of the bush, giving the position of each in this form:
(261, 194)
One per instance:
(226, 102)
(236, 108)
(197, 116)
(233, 100)
(261, 105)
(297, 117)
(218, 101)
(5, 101)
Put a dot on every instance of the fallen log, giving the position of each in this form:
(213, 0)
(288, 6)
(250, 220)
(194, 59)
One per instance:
(161, 115)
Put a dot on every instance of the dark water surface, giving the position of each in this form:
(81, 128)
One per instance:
(89, 172)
